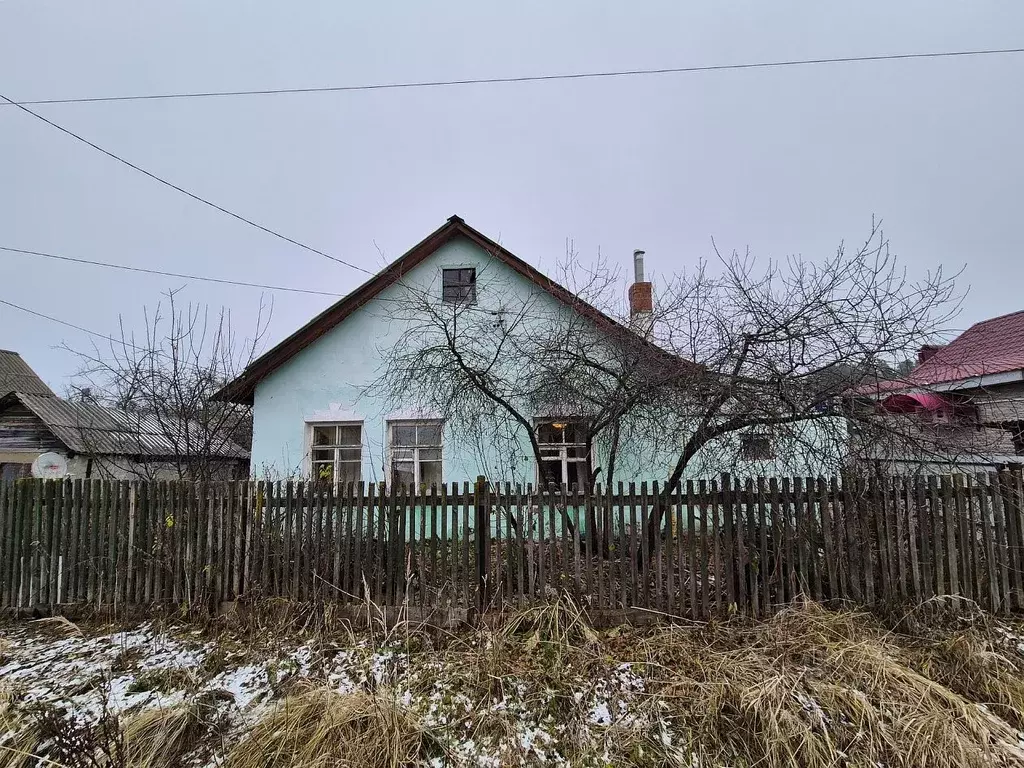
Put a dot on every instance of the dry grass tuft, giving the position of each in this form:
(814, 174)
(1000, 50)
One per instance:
(161, 737)
(317, 728)
(19, 736)
(970, 664)
(822, 689)
(57, 626)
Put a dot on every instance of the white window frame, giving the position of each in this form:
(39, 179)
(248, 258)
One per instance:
(563, 451)
(415, 455)
(336, 447)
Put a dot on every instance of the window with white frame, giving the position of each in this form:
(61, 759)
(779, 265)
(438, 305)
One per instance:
(337, 452)
(564, 455)
(415, 448)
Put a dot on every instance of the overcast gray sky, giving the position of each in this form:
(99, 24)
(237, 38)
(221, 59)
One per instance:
(783, 161)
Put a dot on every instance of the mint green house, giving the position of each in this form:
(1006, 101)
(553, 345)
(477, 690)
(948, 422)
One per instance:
(315, 414)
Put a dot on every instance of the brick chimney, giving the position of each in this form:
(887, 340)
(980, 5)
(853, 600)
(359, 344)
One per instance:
(927, 352)
(641, 295)
(641, 298)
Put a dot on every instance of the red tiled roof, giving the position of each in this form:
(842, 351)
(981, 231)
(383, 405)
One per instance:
(991, 346)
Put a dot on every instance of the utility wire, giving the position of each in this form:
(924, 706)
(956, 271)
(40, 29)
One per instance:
(65, 322)
(183, 191)
(529, 78)
(167, 274)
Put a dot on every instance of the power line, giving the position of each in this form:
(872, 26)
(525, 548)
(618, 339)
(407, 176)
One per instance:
(182, 190)
(527, 78)
(168, 274)
(65, 322)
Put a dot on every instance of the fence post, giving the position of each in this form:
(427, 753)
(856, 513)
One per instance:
(482, 526)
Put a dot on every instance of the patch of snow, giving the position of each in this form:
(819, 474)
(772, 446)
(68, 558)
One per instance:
(246, 684)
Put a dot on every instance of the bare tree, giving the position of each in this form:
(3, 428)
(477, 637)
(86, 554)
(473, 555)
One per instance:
(492, 369)
(160, 385)
(737, 361)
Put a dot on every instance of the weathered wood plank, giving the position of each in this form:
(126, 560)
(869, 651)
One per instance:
(980, 486)
(1015, 543)
(949, 535)
(646, 551)
(728, 541)
(715, 503)
(764, 561)
(692, 562)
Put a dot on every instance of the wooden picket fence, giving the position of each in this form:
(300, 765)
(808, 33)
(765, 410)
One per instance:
(708, 548)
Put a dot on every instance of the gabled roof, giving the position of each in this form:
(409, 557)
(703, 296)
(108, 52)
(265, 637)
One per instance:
(241, 389)
(989, 347)
(92, 429)
(17, 376)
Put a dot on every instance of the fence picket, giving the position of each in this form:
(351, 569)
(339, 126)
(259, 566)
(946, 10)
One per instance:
(646, 550)
(709, 548)
(868, 553)
(716, 547)
(1012, 515)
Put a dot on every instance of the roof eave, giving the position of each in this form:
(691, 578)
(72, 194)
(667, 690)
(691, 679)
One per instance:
(242, 389)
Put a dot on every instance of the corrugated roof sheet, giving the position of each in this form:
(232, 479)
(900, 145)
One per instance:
(17, 376)
(89, 428)
(991, 346)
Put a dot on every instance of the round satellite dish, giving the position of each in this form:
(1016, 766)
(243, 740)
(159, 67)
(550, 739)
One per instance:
(50, 466)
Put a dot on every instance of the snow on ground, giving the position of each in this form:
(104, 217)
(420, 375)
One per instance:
(132, 670)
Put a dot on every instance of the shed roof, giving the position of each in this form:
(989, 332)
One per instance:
(17, 376)
(92, 429)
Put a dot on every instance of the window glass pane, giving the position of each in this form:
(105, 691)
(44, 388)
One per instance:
(323, 472)
(350, 472)
(429, 434)
(458, 285)
(349, 434)
(576, 474)
(402, 454)
(430, 473)
(430, 454)
(323, 435)
(572, 432)
(402, 473)
(551, 472)
(553, 453)
(548, 434)
(323, 454)
(350, 454)
(403, 434)
(578, 452)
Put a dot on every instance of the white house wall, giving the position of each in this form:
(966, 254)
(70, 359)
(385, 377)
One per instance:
(326, 381)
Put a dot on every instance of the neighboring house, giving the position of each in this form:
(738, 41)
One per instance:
(314, 415)
(964, 401)
(97, 441)
(17, 376)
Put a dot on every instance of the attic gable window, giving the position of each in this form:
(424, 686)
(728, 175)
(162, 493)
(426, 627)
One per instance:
(756, 447)
(458, 286)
